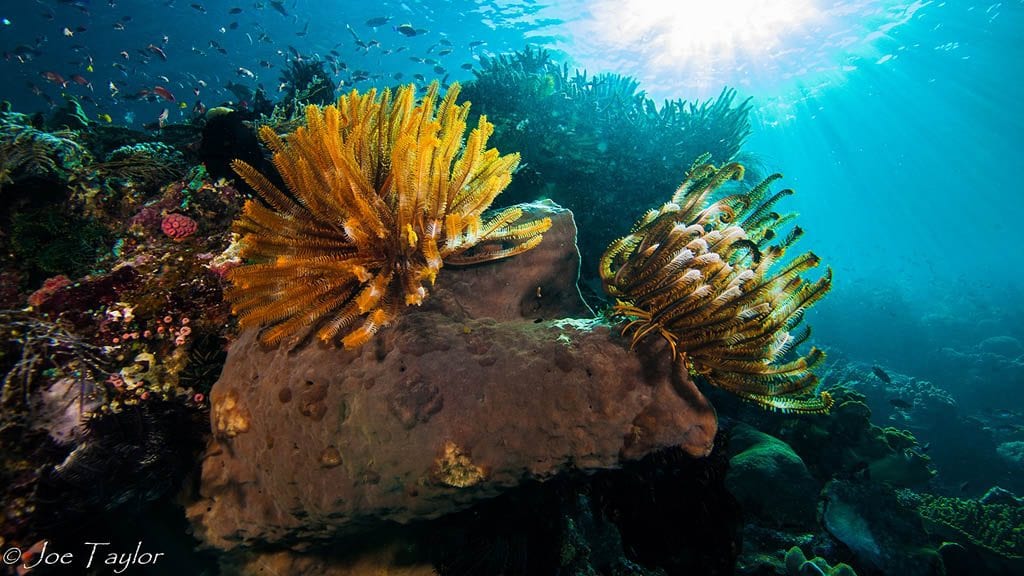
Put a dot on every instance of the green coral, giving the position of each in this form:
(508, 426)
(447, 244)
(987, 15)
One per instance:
(799, 565)
(996, 527)
(597, 144)
(28, 152)
(48, 242)
(848, 443)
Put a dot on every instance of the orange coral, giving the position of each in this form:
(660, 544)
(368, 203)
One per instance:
(383, 192)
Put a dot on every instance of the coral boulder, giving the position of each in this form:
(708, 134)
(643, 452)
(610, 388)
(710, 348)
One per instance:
(490, 383)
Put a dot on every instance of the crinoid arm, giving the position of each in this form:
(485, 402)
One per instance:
(381, 192)
(704, 273)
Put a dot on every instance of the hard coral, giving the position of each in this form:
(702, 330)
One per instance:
(178, 226)
(700, 275)
(383, 193)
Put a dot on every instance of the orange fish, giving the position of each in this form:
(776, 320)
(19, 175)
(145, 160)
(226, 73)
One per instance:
(163, 93)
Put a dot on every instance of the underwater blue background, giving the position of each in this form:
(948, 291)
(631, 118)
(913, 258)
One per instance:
(901, 138)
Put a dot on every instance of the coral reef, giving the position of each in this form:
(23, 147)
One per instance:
(51, 242)
(597, 144)
(26, 151)
(762, 465)
(142, 165)
(880, 529)
(700, 274)
(797, 564)
(306, 81)
(473, 393)
(384, 195)
(996, 527)
(34, 346)
(177, 227)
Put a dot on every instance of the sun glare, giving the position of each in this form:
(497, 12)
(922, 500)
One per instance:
(700, 38)
(702, 29)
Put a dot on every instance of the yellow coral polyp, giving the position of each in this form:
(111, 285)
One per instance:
(382, 192)
(699, 273)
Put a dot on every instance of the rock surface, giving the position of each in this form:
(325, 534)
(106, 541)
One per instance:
(477, 391)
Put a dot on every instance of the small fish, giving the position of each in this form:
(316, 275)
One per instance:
(245, 73)
(162, 118)
(882, 375)
(55, 78)
(81, 81)
(68, 32)
(467, 66)
(964, 485)
(124, 54)
(119, 26)
(900, 404)
(199, 7)
(105, 118)
(279, 6)
(378, 21)
(233, 26)
(444, 52)
(163, 93)
(476, 43)
(405, 30)
(113, 89)
(182, 105)
(235, 10)
(158, 51)
(439, 69)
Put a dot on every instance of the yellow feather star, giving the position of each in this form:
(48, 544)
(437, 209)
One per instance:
(382, 193)
(701, 275)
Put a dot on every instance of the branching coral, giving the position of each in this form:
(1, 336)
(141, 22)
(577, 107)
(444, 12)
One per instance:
(597, 143)
(701, 275)
(383, 193)
(998, 528)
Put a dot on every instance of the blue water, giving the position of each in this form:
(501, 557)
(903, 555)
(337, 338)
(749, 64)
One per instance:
(898, 123)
